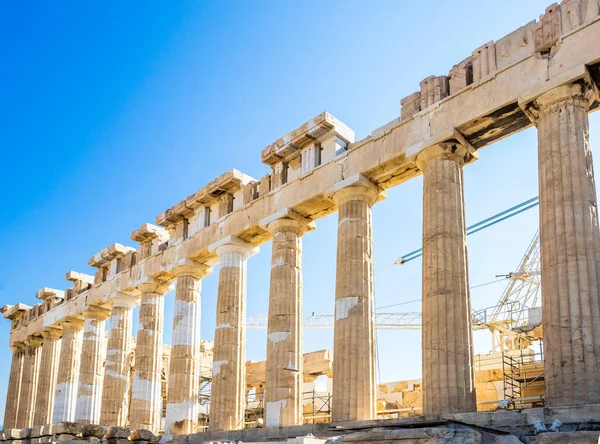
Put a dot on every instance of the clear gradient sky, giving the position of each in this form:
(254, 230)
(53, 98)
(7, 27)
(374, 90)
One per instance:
(114, 111)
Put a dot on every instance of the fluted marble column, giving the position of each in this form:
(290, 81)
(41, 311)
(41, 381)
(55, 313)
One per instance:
(228, 393)
(448, 382)
(91, 371)
(49, 363)
(354, 384)
(570, 248)
(14, 386)
(65, 397)
(146, 399)
(31, 368)
(115, 388)
(283, 388)
(184, 372)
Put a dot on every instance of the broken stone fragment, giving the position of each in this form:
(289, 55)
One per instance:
(144, 435)
(569, 438)
(118, 432)
(117, 441)
(93, 430)
(69, 428)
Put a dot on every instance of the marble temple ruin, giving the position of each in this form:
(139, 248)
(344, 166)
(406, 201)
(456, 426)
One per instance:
(546, 74)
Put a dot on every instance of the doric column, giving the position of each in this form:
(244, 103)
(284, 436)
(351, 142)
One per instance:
(570, 247)
(228, 390)
(184, 372)
(29, 379)
(354, 384)
(448, 383)
(284, 339)
(146, 399)
(68, 371)
(14, 386)
(115, 388)
(49, 363)
(91, 371)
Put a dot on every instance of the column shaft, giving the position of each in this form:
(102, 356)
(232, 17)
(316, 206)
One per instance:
(49, 364)
(570, 249)
(146, 399)
(68, 372)
(115, 389)
(91, 371)
(29, 379)
(284, 340)
(184, 372)
(354, 382)
(448, 381)
(14, 387)
(228, 396)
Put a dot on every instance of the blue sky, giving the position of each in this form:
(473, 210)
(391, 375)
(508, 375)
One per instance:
(114, 111)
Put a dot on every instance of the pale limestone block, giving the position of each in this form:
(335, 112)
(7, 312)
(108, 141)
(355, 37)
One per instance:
(484, 61)
(433, 89)
(548, 29)
(461, 76)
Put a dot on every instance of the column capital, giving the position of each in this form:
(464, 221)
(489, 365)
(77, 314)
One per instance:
(17, 346)
(95, 312)
(33, 341)
(451, 150)
(287, 220)
(189, 267)
(556, 90)
(233, 244)
(51, 334)
(126, 300)
(576, 91)
(151, 285)
(357, 187)
(73, 321)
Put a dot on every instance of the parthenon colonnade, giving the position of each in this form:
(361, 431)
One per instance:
(65, 367)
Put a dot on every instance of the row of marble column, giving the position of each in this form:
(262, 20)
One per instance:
(570, 249)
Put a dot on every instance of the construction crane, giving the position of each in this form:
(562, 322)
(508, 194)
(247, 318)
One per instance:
(514, 322)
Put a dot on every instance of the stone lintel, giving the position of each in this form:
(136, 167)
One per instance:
(104, 257)
(357, 184)
(232, 242)
(79, 278)
(288, 147)
(189, 267)
(46, 293)
(148, 233)
(287, 214)
(229, 182)
(579, 74)
(14, 311)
